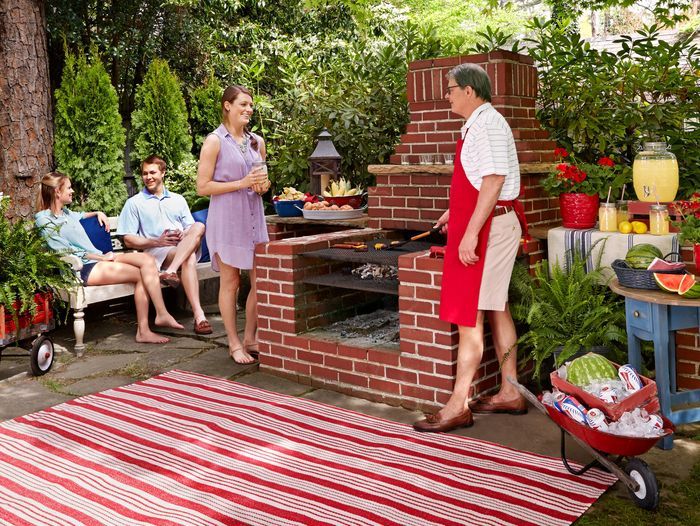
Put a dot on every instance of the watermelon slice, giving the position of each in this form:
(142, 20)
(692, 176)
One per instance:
(689, 287)
(659, 265)
(669, 282)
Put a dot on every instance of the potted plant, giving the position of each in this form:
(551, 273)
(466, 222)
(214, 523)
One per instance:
(30, 273)
(689, 225)
(579, 185)
(567, 312)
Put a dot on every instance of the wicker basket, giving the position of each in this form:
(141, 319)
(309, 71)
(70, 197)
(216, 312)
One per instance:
(639, 278)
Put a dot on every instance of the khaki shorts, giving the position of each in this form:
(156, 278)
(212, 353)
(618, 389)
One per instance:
(503, 244)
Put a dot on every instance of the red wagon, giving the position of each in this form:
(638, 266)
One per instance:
(614, 453)
(30, 335)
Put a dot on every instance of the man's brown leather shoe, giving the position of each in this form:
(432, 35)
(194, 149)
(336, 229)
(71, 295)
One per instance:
(434, 423)
(482, 399)
(512, 407)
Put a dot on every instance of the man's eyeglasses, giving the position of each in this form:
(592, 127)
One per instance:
(450, 88)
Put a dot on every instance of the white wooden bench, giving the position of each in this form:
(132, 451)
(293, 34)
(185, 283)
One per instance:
(82, 296)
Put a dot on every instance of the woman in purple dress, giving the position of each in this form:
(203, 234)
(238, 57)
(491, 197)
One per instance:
(236, 220)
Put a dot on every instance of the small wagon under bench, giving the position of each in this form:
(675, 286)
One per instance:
(30, 335)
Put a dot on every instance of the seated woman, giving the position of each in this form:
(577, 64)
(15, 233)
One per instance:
(64, 233)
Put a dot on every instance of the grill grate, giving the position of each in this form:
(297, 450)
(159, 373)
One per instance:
(379, 257)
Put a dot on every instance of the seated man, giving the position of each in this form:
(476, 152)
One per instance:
(160, 223)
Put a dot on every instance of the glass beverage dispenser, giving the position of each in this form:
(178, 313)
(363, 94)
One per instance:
(655, 173)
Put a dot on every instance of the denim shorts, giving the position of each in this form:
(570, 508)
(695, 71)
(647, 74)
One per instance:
(85, 271)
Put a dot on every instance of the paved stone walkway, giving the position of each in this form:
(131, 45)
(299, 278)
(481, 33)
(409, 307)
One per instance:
(114, 359)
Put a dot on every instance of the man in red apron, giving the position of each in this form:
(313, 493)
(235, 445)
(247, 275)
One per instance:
(484, 225)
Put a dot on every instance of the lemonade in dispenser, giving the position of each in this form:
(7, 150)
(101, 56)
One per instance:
(655, 173)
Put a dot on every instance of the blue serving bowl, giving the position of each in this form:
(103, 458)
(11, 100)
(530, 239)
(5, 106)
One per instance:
(289, 208)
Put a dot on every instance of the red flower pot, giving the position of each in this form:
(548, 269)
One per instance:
(696, 256)
(578, 210)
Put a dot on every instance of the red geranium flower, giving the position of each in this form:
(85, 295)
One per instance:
(570, 174)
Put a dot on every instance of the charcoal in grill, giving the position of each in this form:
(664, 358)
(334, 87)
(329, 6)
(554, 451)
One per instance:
(374, 271)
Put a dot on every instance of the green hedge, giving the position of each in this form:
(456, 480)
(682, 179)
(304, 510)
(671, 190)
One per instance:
(89, 138)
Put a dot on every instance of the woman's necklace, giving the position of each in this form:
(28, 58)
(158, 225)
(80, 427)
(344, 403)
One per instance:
(243, 145)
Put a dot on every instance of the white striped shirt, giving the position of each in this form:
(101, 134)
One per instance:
(489, 149)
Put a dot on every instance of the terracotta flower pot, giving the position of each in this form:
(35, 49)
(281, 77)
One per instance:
(578, 210)
(696, 256)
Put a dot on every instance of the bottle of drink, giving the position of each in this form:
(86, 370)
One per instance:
(596, 419)
(629, 376)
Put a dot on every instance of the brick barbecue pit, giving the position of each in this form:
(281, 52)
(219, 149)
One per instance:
(298, 288)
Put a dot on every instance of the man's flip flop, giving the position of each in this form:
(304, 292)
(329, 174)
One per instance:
(203, 327)
(171, 279)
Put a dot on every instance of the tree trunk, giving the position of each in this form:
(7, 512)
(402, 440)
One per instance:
(26, 125)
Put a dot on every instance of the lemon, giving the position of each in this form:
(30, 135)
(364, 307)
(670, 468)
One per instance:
(625, 227)
(639, 227)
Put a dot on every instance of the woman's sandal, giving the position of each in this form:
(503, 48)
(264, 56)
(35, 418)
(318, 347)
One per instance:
(252, 349)
(232, 352)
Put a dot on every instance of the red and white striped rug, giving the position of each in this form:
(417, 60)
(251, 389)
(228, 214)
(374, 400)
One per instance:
(188, 449)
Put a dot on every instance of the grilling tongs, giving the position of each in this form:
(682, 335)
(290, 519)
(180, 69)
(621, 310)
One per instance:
(396, 244)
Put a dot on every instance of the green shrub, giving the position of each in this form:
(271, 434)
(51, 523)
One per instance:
(354, 85)
(27, 266)
(566, 310)
(205, 110)
(159, 122)
(646, 91)
(89, 138)
(183, 180)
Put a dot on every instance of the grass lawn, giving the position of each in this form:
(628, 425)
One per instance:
(680, 502)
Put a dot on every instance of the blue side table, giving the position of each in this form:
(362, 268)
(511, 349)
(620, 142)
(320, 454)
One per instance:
(654, 316)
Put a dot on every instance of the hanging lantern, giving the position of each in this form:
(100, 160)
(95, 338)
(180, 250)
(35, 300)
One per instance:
(324, 163)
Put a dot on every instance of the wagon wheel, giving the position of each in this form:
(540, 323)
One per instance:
(647, 496)
(41, 355)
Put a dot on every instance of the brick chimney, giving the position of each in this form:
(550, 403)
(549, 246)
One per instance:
(413, 196)
(435, 129)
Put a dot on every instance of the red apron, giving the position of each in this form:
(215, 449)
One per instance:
(459, 295)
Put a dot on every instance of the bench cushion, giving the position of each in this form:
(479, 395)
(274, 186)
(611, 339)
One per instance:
(97, 234)
(201, 217)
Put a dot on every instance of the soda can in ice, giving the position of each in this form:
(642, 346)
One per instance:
(630, 378)
(558, 397)
(596, 419)
(608, 395)
(574, 410)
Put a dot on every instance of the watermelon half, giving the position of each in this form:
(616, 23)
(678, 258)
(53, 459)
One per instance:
(669, 282)
(588, 368)
(689, 287)
(640, 256)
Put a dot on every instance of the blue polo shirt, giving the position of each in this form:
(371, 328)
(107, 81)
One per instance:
(65, 234)
(147, 215)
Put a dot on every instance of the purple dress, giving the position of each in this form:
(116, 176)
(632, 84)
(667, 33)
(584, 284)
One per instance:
(236, 220)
